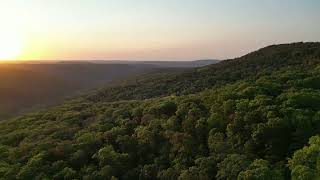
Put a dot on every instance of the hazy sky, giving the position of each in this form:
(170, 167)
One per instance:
(152, 29)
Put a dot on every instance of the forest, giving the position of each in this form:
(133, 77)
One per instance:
(28, 86)
(255, 117)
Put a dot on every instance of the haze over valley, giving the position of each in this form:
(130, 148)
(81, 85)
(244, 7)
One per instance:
(33, 85)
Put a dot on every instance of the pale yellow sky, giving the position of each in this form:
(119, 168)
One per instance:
(150, 30)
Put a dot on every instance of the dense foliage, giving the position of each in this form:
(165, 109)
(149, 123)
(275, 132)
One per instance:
(262, 62)
(265, 126)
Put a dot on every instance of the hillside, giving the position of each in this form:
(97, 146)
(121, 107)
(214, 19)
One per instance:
(29, 86)
(253, 117)
(25, 87)
(251, 66)
(32, 85)
(164, 64)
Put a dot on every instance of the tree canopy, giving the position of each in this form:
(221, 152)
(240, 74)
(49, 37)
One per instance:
(256, 117)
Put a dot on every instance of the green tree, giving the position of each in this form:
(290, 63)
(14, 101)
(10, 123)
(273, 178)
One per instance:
(231, 166)
(260, 169)
(305, 163)
(34, 165)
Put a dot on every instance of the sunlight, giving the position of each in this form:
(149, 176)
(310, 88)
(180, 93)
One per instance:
(11, 45)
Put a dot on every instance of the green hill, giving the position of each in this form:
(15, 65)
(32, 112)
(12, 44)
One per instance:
(26, 87)
(32, 85)
(262, 62)
(253, 117)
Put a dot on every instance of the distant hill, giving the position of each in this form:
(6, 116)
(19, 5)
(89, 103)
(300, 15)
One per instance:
(252, 65)
(26, 87)
(30, 85)
(166, 64)
(169, 64)
(177, 64)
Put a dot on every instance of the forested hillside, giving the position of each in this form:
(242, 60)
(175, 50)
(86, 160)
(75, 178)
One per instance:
(27, 87)
(262, 62)
(32, 85)
(254, 117)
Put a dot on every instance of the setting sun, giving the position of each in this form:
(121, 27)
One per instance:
(11, 46)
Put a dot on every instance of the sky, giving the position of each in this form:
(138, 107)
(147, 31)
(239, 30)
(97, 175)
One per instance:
(151, 29)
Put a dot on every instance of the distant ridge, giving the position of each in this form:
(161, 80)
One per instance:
(254, 64)
(174, 64)
(163, 64)
(62, 79)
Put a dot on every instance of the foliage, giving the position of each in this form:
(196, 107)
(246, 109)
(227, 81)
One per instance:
(246, 129)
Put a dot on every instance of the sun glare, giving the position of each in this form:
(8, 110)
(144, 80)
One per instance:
(10, 46)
